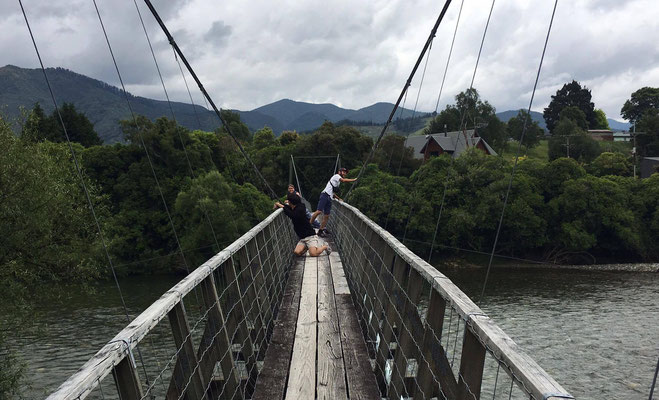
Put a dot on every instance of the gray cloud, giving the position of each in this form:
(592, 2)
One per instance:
(349, 53)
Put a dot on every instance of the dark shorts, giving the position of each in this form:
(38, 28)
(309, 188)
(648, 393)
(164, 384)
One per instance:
(324, 203)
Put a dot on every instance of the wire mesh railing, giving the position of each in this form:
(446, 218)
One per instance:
(425, 337)
(204, 338)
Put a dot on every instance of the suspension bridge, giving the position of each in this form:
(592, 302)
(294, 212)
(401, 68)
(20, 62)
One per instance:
(370, 320)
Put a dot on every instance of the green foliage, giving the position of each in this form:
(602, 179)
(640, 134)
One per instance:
(237, 128)
(570, 140)
(610, 164)
(38, 127)
(211, 209)
(575, 115)
(648, 143)
(469, 110)
(494, 133)
(48, 235)
(600, 120)
(571, 94)
(394, 158)
(641, 101)
(534, 133)
(263, 138)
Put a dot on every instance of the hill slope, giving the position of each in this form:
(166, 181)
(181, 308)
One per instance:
(105, 105)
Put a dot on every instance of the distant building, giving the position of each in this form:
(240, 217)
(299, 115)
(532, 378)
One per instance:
(601, 135)
(649, 166)
(453, 143)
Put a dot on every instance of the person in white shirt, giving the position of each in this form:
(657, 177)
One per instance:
(326, 196)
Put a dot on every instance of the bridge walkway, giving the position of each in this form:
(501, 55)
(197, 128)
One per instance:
(317, 348)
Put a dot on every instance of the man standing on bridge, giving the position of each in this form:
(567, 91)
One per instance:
(326, 196)
(296, 211)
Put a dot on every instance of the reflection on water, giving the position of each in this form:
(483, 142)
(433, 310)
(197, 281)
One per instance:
(596, 333)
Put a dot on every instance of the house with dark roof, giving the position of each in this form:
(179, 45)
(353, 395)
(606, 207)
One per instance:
(453, 143)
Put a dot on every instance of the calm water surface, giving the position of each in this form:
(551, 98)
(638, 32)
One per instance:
(596, 333)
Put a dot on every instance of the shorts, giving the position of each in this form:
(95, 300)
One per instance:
(310, 241)
(324, 203)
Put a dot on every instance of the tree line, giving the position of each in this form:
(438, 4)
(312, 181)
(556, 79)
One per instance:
(565, 210)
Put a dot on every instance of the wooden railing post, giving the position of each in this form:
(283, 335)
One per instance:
(215, 344)
(186, 379)
(439, 368)
(472, 363)
(410, 333)
(127, 380)
(238, 320)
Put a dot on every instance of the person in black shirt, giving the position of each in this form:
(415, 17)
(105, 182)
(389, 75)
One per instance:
(296, 211)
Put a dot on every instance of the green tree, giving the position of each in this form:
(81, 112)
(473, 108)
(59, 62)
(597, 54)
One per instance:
(38, 127)
(494, 133)
(648, 143)
(641, 101)
(469, 110)
(237, 127)
(394, 158)
(575, 115)
(288, 137)
(570, 140)
(571, 94)
(600, 120)
(610, 164)
(264, 137)
(48, 235)
(534, 133)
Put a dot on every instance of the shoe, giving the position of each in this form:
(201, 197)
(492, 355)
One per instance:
(321, 232)
(328, 250)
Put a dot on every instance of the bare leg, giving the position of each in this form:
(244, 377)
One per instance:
(300, 249)
(325, 219)
(316, 251)
(314, 215)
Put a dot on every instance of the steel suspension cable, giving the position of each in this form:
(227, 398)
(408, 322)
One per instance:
(141, 136)
(207, 96)
(82, 181)
(519, 147)
(473, 77)
(448, 59)
(171, 109)
(462, 117)
(402, 93)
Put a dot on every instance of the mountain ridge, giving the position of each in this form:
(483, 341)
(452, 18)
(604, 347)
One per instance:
(105, 106)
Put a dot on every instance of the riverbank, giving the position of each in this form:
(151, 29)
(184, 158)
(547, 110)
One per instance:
(471, 263)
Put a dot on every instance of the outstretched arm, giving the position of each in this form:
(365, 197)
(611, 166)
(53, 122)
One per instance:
(348, 180)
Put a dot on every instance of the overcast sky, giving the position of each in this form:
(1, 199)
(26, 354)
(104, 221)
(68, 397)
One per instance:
(349, 53)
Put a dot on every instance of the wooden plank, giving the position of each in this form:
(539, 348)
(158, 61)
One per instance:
(331, 382)
(361, 380)
(338, 274)
(302, 375)
(271, 383)
(127, 380)
(187, 381)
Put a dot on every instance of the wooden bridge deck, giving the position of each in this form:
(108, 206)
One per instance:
(317, 348)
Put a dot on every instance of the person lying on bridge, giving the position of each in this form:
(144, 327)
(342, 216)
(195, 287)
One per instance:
(291, 190)
(296, 211)
(325, 201)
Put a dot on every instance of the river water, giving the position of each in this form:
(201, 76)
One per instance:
(596, 333)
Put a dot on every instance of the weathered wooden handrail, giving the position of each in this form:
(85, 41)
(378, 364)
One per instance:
(117, 356)
(387, 280)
